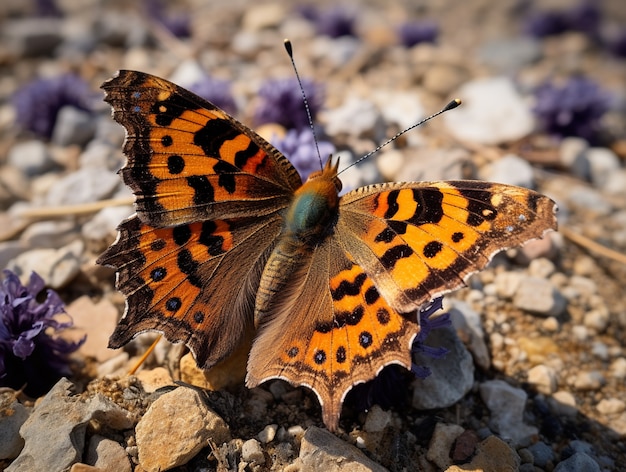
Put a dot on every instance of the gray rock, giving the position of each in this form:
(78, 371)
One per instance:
(56, 266)
(616, 183)
(28, 37)
(542, 454)
(356, 117)
(511, 169)
(251, 451)
(54, 433)
(538, 296)
(101, 155)
(579, 462)
(268, 433)
(175, 428)
(509, 55)
(573, 156)
(468, 325)
(603, 163)
(103, 226)
(73, 126)
(107, 454)
(84, 185)
(322, 450)
(452, 377)
(506, 404)
(49, 234)
(589, 199)
(493, 112)
(589, 380)
(31, 157)
(377, 420)
(12, 416)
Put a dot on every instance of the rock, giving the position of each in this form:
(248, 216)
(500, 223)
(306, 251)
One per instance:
(506, 404)
(510, 169)
(28, 37)
(100, 230)
(611, 406)
(543, 378)
(49, 234)
(469, 329)
(57, 267)
(541, 268)
(268, 433)
(493, 112)
(589, 380)
(441, 443)
(538, 296)
(507, 283)
(88, 184)
(153, 379)
(107, 454)
(54, 433)
(618, 368)
(73, 126)
(355, 117)
(492, 455)
(377, 420)
(509, 55)
(31, 157)
(80, 467)
(12, 416)
(563, 403)
(252, 452)
(97, 321)
(543, 456)
(616, 183)
(452, 376)
(322, 450)
(175, 428)
(261, 16)
(579, 462)
(443, 79)
(538, 349)
(14, 186)
(586, 199)
(573, 156)
(603, 163)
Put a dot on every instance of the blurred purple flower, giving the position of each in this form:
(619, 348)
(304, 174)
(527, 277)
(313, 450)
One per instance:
(584, 17)
(47, 8)
(29, 355)
(574, 108)
(38, 103)
(281, 102)
(391, 386)
(415, 32)
(178, 23)
(617, 43)
(335, 21)
(299, 147)
(217, 91)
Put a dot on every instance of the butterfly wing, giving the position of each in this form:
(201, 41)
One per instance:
(190, 161)
(395, 248)
(420, 240)
(210, 196)
(346, 332)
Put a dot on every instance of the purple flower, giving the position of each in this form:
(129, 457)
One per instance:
(574, 108)
(281, 102)
(299, 147)
(47, 8)
(335, 22)
(29, 355)
(391, 386)
(415, 32)
(216, 91)
(179, 23)
(584, 17)
(38, 103)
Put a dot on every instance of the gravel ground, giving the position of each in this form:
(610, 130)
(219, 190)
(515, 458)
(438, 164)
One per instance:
(534, 379)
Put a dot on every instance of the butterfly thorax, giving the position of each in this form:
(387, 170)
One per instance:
(309, 219)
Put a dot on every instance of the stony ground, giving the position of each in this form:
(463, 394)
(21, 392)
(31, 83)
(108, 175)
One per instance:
(535, 375)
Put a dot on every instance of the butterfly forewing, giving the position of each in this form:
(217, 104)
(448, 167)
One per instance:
(190, 161)
(420, 240)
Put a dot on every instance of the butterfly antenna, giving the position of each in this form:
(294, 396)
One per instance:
(289, 49)
(450, 106)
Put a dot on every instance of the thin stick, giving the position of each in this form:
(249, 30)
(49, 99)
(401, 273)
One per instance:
(69, 210)
(592, 245)
(145, 355)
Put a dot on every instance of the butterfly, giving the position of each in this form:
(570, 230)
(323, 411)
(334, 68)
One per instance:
(227, 242)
